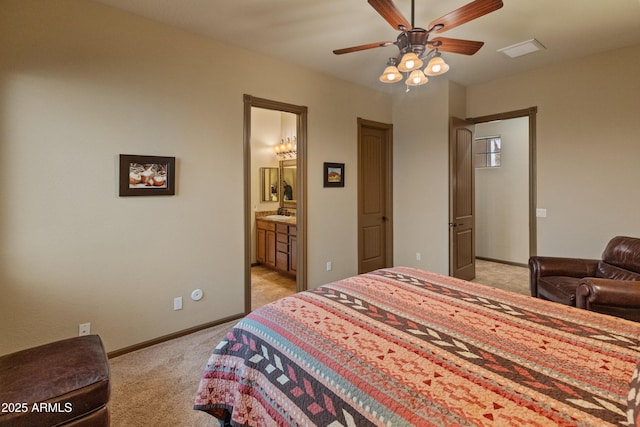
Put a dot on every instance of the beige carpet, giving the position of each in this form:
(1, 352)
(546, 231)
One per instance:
(156, 386)
(504, 276)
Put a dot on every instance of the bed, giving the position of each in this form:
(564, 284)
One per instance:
(402, 346)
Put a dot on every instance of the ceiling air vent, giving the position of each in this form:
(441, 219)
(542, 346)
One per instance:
(522, 48)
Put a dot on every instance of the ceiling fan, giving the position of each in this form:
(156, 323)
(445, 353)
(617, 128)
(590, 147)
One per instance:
(414, 44)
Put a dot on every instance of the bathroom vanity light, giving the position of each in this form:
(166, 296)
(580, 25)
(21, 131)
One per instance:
(286, 150)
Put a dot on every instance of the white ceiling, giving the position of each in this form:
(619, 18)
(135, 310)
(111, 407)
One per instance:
(307, 31)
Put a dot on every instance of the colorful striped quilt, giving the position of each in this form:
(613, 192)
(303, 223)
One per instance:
(401, 346)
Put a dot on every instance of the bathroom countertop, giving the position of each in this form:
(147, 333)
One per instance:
(279, 218)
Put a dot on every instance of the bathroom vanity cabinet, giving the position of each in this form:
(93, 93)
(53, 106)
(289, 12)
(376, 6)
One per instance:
(276, 245)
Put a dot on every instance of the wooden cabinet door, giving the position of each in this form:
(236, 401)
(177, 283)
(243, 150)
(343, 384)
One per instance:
(271, 248)
(293, 254)
(282, 261)
(261, 246)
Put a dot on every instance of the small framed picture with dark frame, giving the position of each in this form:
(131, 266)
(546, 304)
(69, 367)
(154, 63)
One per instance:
(147, 175)
(334, 174)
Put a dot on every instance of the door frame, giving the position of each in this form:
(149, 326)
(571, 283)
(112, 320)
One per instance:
(531, 114)
(301, 189)
(388, 169)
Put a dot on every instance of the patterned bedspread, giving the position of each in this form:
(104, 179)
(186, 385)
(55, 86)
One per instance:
(401, 346)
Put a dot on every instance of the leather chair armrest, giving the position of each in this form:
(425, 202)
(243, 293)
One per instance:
(540, 266)
(595, 291)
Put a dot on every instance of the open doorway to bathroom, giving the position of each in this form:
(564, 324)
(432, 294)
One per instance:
(275, 201)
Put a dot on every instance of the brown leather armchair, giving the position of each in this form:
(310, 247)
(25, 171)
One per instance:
(610, 285)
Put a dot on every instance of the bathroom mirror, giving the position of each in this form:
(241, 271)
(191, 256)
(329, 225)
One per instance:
(288, 183)
(269, 184)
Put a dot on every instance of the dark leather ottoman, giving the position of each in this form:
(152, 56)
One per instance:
(62, 383)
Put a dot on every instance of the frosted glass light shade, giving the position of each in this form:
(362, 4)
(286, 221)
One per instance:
(391, 75)
(416, 78)
(436, 67)
(410, 62)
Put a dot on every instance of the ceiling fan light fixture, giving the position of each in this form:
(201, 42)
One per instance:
(391, 75)
(436, 66)
(413, 42)
(410, 62)
(416, 78)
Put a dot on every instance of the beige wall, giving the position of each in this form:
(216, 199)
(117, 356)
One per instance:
(587, 146)
(81, 83)
(587, 155)
(421, 180)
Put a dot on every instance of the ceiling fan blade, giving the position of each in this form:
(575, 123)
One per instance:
(362, 47)
(390, 13)
(464, 47)
(466, 13)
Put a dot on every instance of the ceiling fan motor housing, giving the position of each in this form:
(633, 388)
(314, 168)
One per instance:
(414, 40)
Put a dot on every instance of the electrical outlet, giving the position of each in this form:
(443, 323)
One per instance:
(418, 256)
(329, 266)
(84, 329)
(177, 303)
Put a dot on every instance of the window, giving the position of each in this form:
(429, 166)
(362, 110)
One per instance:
(487, 152)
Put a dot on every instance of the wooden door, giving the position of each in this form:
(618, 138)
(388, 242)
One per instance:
(462, 203)
(375, 243)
